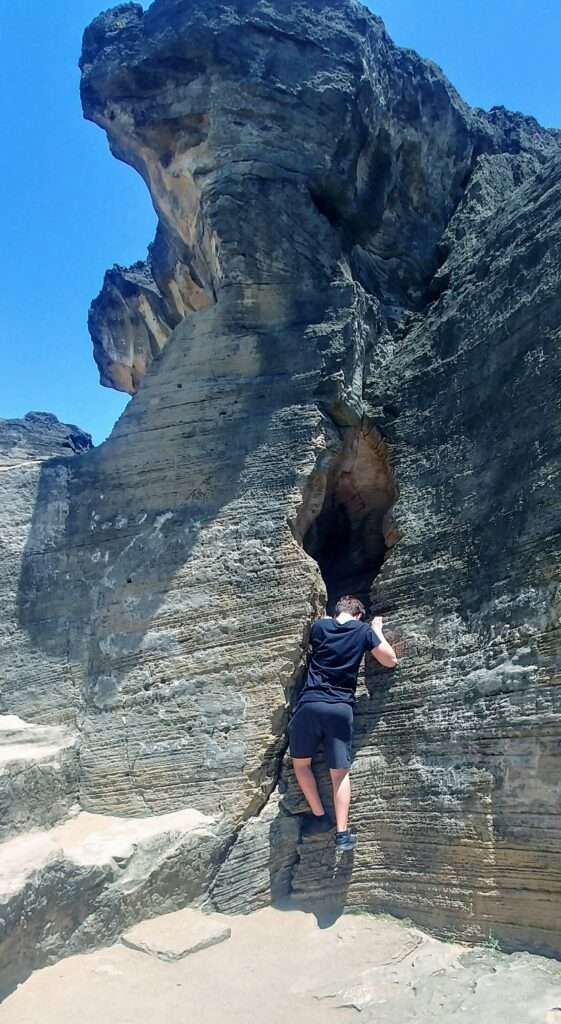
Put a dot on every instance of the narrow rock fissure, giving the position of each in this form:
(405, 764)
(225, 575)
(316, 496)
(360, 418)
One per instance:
(345, 520)
(344, 524)
(253, 811)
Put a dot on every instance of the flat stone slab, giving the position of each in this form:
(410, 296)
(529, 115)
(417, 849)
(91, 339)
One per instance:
(174, 936)
(12, 723)
(15, 733)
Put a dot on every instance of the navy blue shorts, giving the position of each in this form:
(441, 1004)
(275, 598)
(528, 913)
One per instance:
(321, 722)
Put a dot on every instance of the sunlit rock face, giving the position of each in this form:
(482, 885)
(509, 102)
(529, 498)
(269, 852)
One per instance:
(345, 338)
(246, 122)
(138, 307)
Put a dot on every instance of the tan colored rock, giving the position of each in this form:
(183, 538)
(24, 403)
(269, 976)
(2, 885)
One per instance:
(136, 311)
(77, 885)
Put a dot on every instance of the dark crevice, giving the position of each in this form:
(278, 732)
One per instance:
(327, 205)
(437, 286)
(345, 522)
(349, 554)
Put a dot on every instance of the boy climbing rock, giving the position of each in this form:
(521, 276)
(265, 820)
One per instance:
(324, 710)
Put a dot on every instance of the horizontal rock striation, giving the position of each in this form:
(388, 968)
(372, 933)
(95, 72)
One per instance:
(476, 582)
(351, 304)
(35, 453)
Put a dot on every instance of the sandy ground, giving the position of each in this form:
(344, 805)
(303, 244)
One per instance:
(279, 967)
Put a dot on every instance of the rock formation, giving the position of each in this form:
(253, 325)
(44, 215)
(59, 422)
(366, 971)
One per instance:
(347, 338)
(138, 308)
(39, 436)
(31, 514)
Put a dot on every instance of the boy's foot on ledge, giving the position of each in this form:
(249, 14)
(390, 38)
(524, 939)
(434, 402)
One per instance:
(315, 825)
(345, 840)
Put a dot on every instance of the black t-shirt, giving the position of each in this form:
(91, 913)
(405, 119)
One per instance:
(337, 651)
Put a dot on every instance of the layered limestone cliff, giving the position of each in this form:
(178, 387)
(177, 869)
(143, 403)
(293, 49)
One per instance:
(35, 457)
(346, 337)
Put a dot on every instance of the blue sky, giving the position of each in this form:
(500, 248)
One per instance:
(70, 210)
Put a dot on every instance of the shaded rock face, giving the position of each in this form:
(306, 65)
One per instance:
(35, 454)
(353, 298)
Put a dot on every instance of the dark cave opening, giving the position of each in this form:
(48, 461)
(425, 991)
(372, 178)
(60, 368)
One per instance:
(347, 561)
(347, 524)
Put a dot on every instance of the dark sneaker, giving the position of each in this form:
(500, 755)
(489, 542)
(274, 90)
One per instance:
(345, 840)
(315, 825)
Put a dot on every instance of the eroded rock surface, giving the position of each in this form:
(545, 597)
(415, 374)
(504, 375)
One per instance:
(352, 297)
(76, 886)
(39, 435)
(39, 775)
(138, 307)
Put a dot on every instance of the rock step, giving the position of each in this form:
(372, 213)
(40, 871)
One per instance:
(175, 936)
(38, 775)
(77, 886)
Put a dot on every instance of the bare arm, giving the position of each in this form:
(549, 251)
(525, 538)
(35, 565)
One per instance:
(384, 652)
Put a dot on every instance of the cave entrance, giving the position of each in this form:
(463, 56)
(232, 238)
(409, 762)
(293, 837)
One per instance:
(346, 524)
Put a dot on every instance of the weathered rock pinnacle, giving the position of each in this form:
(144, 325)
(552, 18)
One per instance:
(344, 350)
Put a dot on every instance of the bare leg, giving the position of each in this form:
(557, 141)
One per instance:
(341, 782)
(307, 782)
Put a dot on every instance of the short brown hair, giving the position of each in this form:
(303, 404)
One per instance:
(352, 605)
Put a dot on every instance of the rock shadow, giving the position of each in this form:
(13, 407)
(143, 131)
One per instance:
(308, 873)
(137, 549)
